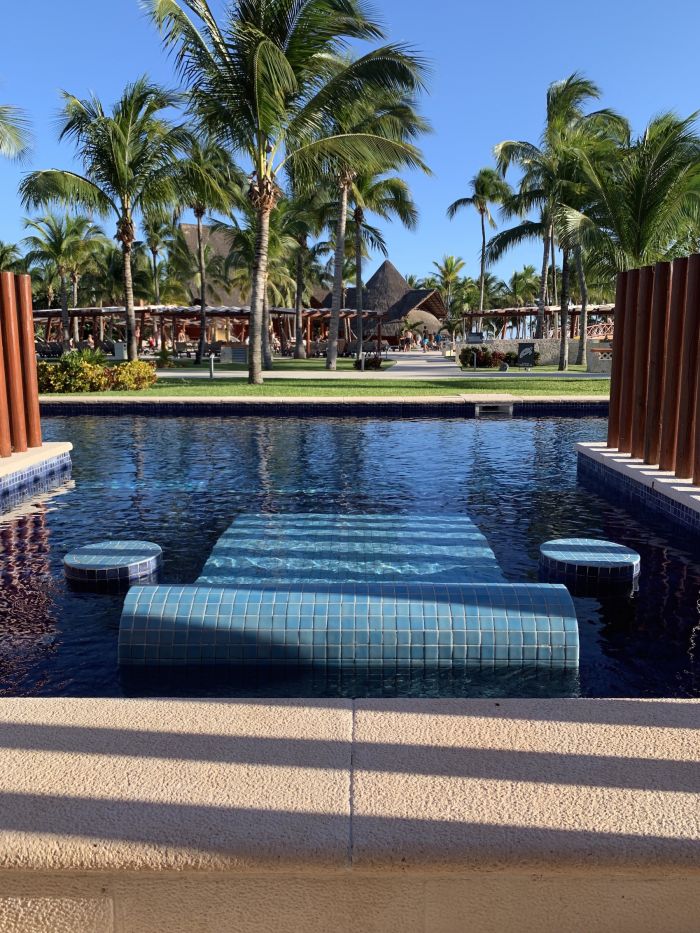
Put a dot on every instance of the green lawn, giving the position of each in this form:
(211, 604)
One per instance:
(342, 388)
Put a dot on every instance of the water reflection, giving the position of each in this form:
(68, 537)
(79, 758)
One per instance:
(181, 482)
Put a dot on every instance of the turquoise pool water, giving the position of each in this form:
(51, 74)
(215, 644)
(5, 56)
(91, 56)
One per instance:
(182, 482)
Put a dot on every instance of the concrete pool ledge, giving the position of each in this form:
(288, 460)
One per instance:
(411, 815)
(37, 470)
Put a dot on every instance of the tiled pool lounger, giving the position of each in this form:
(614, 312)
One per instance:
(314, 589)
(349, 624)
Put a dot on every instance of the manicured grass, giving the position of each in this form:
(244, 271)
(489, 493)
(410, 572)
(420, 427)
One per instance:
(550, 386)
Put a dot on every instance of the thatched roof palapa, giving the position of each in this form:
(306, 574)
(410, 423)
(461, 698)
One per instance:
(217, 241)
(389, 294)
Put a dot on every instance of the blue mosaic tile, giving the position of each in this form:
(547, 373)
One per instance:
(115, 561)
(590, 558)
(487, 622)
(17, 487)
(620, 487)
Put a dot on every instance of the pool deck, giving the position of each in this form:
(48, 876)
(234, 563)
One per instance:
(419, 816)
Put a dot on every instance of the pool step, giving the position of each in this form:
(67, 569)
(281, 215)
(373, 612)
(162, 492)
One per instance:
(493, 410)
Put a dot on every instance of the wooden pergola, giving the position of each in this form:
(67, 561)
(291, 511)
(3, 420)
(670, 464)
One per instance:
(176, 323)
(552, 312)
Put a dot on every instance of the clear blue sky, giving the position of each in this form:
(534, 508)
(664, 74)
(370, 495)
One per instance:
(492, 64)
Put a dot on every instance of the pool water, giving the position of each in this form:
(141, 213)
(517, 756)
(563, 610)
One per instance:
(181, 482)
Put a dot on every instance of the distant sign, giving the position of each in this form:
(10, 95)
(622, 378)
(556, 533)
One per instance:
(526, 355)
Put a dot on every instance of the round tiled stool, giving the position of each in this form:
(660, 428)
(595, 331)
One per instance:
(113, 562)
(590, 559)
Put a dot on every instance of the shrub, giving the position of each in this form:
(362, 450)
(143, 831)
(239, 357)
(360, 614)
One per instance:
(371, 362)
(73, 373)
(132, 376)
(97, 357)
(164, 359)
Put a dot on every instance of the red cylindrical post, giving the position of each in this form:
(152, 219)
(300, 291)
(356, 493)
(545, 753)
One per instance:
(672, 382)
(628, 348)
(685, 447)
(660, 309)
(641, 360)
(616, 374)
(5, 439)
(25, 314)
(13, 361)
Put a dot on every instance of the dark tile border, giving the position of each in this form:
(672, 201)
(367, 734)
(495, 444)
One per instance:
(618, 487)
(457, 408)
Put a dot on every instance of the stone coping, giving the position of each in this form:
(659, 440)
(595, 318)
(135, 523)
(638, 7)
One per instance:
(19, 462)
(423, 786)
(663, 482)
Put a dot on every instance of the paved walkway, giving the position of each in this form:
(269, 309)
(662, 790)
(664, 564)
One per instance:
(408, 366)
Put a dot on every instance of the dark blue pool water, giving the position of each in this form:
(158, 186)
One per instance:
(180, 483)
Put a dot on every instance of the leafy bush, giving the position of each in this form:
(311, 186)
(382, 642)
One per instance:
(489, 359)
(74, 373)
(132, 376)
(165, 359)
(371, 362)
(96, 357)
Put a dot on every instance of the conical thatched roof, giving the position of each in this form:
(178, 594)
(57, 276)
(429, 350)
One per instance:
(388, 293)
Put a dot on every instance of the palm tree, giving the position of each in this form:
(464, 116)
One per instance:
(487, 188)
(9, 256)
(550, 176)
(62, 242)
(448, 276)
(14, 132)
(212, 183)
(130, 162)
(387, 197)
(157, 231)
(522, 287)
(268, 82)
(390, 115)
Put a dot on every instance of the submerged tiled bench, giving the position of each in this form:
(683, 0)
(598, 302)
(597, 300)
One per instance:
(350, 624)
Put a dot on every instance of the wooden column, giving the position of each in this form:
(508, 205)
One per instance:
(616, 374)
(672, 380)
(685, 447)
(641, 360)
(25, 315)
(308, 335)
(627, 377)
(5, 439)
(660, 310)
(13, 361)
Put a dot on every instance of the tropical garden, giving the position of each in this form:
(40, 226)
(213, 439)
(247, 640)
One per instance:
(289, 135)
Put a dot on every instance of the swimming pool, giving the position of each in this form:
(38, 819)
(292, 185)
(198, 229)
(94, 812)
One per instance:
(181, 482)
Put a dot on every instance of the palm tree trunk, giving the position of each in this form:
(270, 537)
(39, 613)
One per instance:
(542, 297)
(299, 344)
(554, 267)
(65, 317)
(132, 350)
(332, 355)
(359, 297)
(583, 320)
(257, 295)
(482, 280)
(201, 349)
(156, 281)
(564, 343)
(266, 350)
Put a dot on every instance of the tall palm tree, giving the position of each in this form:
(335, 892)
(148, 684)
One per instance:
(157, 231)
(267, 81)
(387, 197)
(550, 174)
(488, 187)
(392, 115)
(212, 183)
(448, 276)
(64, 243)
(14, 132)
(130, 162)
